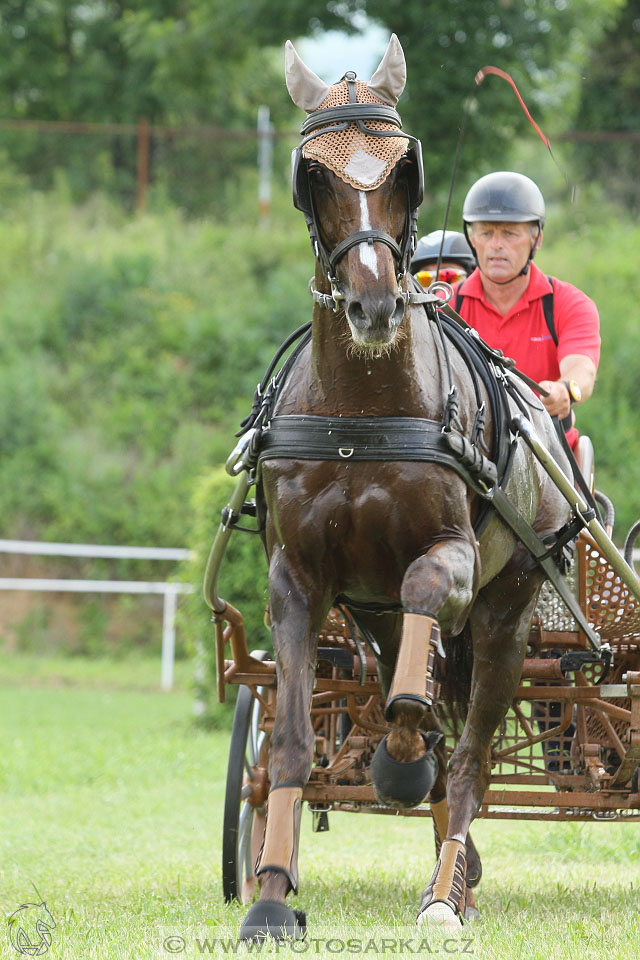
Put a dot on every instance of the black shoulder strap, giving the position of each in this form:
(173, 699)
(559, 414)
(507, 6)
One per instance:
(459, 298)
(547, 307)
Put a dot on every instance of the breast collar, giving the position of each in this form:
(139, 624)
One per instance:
(410, 439)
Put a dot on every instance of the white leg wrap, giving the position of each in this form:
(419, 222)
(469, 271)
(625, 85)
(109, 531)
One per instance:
(440, 915)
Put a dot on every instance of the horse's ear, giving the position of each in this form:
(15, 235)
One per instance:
(389, 79)
(307, 90)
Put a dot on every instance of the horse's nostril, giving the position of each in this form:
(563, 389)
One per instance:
(356, 314)
(398, 313)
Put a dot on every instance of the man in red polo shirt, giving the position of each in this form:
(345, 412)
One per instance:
(504, 214)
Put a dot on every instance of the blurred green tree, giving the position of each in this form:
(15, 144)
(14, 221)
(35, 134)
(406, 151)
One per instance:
(164, 59)
(610, 101)
(188, 62)
(176, 62)
(541, 43)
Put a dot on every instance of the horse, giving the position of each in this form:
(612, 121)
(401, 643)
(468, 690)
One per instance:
(401, 536)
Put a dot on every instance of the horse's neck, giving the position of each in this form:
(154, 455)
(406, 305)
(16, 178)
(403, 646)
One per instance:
(406, 381)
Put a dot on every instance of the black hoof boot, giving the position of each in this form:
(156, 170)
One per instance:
(273, 919)
(404, 784)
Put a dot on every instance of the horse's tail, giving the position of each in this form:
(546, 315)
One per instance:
(458, 667)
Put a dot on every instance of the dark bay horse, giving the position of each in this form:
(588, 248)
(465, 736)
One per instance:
(394, 536)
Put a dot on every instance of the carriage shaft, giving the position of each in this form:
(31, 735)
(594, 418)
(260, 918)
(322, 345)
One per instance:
(575, 500)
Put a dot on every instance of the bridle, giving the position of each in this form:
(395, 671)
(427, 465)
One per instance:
(335, 120)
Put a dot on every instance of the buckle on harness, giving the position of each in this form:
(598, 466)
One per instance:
(561, 543)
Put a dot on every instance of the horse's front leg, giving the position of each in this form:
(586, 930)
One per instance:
(437, 589)
(295, 613)
(500, 623)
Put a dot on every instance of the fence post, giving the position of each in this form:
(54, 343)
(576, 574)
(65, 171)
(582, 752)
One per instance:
(143, 164)
(265, 163)
(168, 637)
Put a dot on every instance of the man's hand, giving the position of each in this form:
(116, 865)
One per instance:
(558, 402)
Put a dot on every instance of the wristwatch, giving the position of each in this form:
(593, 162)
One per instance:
(575, 393)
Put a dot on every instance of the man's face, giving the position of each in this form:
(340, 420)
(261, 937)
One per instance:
(502, 249)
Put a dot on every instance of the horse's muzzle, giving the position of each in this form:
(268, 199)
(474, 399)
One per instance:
(374, 320)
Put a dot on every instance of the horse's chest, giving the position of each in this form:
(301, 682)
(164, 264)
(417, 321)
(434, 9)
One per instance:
(360, 511)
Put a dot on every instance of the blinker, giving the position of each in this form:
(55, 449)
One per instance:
(302, 199)
(412, 161)
(300, 183)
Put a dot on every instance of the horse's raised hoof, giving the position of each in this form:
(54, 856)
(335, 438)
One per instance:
(274, 920)
(442, 916)
(404, 784)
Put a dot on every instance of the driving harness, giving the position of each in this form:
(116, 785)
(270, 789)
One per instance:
(264, 435)
(268, 436)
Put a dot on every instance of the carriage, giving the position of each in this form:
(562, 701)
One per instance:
(459, 473)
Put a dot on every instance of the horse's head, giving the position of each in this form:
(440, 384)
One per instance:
(358, 180)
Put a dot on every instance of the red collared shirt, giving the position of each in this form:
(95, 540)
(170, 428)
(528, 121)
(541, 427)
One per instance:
(523, 334)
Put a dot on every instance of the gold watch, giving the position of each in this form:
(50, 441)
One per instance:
(575, 393)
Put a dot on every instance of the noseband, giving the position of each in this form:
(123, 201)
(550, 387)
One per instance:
(340, 117)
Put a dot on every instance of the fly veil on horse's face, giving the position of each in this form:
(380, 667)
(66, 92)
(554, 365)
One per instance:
(353, 130)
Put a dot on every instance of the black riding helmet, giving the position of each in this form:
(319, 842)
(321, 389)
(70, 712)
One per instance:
(506, 197)
(454, 249)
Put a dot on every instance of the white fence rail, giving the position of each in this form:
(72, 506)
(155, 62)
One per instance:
(169, 590)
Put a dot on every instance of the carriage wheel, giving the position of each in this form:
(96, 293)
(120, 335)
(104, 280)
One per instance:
(243, 823)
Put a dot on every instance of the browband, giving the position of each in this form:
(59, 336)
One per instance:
(349, 113)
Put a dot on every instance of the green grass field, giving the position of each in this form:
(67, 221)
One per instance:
(112, 805)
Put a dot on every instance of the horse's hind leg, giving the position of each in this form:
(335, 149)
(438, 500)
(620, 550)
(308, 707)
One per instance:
(500, 623)
(290, 757)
